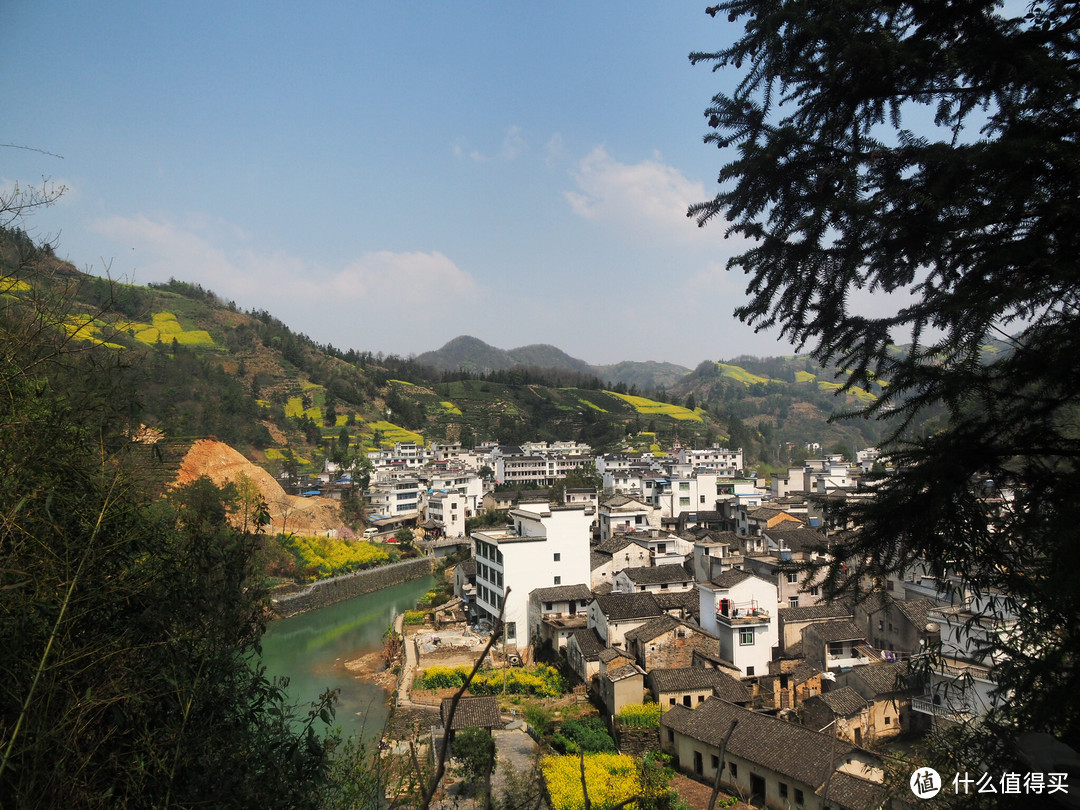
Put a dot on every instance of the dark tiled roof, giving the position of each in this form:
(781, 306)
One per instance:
(596, 560)
(563, 593)
(620, 673)
(844, 701)
(609, 654)
(658, 574)
(811, 612)
(915, 611)
(689, 601)
(623, 606)
(842, 630)
(802, 539)
(883, 679)
(686, 679)
(472, 712)
(653, 628)
(785, 748)
(616, 543)
(589, 643)
(468, 567)
(852, 792)
(732, 577)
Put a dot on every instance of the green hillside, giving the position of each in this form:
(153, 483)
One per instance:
(205, 367)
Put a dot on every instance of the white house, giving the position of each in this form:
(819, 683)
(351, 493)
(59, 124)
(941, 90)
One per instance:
(741, 610)
(547, 546)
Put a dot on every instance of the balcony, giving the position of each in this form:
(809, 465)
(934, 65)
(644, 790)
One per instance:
(742, 618)
(924, 704)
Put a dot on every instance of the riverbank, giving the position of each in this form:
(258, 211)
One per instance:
(347, 586)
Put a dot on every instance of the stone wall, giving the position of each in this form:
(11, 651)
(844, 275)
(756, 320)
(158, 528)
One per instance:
(636, 740)
(338, 589)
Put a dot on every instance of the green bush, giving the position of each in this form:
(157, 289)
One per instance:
(584, 734)
(414, 617)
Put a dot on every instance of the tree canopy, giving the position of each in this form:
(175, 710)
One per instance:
(906, 177)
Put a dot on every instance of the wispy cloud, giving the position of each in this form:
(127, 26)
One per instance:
(377, 293)
(512, 146)
(647, 197)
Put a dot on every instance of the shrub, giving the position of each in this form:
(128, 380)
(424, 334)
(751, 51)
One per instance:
(588, 734)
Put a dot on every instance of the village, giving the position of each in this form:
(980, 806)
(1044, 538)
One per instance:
(684, 591)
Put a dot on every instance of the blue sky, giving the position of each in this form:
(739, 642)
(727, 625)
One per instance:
(387, 176)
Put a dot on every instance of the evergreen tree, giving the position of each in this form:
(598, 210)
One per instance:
(930, 151)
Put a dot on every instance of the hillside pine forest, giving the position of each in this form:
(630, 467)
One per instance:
(203, 367)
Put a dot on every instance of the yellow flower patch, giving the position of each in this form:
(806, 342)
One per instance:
(610, 778)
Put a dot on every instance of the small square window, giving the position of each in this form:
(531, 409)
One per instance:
(798, 796)
(793, 578)
(746, 637)
(814, 591)
(558, 580)
(558, 556)
(793, 601)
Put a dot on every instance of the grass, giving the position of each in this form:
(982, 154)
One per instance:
(740, 374)
(392, 433)
(651, 407)
(165, 327)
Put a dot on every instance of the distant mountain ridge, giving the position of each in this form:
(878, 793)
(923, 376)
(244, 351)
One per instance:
(472, 354)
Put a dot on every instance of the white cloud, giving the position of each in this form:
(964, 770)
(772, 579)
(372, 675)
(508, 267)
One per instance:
(376, 295)
(649, 196)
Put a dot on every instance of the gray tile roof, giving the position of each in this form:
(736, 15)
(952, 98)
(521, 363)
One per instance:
(623, 606)
(883, 679)
(786, 748)
(563, 593)
(589, 643)
(833, 610)
(623, 672)
(687, 679)
(730, 578)
(689, 601)
(915, 611)
(800, 539)
(653, 628)
(658, 574)
(852, 792)
(609, 654)
(842, 630)
(472, 712)
(844, 701)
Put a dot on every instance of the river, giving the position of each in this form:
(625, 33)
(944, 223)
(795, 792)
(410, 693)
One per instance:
(311, 650)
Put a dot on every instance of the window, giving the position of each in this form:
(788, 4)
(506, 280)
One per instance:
(715, 761)
(783, 790)
(684, 486)
(686, 701)
(793, 578)
(888, 720)
(547, 605)
(671, 732)
(702, 499)
(746, 637)
(684, 501)
(793, 601)
(749, 672)
(734, 770)
(701, 699)
(558, 580)
(558, 556)
(814, 591)
(511, 631)
(671, 701)
(798, 796)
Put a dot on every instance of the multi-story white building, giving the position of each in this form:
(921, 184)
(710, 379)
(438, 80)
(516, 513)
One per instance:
(713, 458)
(741, 610)
(393, 497)
(685, 494)
(547, 546)
(620, 514)
(449, 510)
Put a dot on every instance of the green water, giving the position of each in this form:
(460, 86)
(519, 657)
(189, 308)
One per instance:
(311, 650)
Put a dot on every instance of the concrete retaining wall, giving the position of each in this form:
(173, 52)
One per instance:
(338, 589)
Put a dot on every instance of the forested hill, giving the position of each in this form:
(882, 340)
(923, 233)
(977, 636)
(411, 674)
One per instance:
(204, 366)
